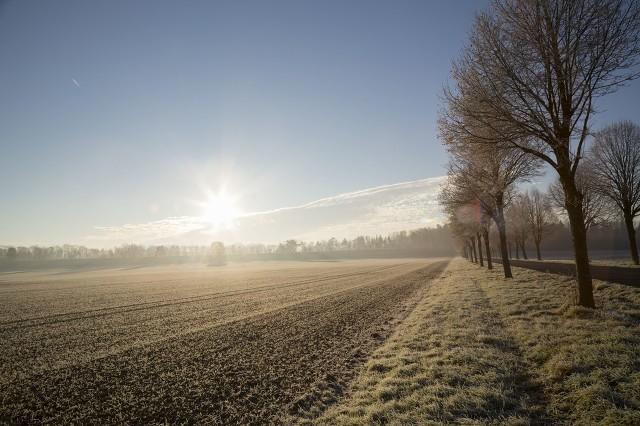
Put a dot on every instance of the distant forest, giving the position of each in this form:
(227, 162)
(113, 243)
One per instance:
(425, 242)
(421, 242)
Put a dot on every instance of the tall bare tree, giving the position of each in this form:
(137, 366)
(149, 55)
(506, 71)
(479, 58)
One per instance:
(485, 225)
(539, 216)
(519, 224)
(536, 67)
(615, 161)
(596, 208)
(463, 226)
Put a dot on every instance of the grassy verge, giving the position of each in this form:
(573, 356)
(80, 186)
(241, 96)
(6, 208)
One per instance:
(480, 349)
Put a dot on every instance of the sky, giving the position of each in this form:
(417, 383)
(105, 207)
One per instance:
(373, 211)
(119, 117)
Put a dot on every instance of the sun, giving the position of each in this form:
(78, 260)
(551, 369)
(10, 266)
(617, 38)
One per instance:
(220, 209)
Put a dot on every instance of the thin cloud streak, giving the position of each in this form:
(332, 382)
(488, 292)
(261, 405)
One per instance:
(329, 201)
(374, 211)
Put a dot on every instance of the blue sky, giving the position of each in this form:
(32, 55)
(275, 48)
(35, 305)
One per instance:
(125, 112)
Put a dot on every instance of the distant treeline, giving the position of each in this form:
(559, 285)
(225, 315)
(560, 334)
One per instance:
(426, 241)
(68, 251)
(432, 240)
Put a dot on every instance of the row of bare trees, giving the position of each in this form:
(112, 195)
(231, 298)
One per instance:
(436, 239)
(526, 215)
(609, 180)
(529, 217)
(524, 94)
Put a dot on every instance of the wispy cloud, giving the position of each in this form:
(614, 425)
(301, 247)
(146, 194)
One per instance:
(75, 82)
(165, 228)
(378, 210)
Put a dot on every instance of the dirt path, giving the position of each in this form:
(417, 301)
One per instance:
(521, 377)
(286, 362)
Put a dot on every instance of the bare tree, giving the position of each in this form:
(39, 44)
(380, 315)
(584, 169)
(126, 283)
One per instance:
(539, 215)
(217, 254)
(519, 225)
(478, 240)
(463, 229)
(12, 253)
(595, 207)
(484, 173)
(536, 67)
(462, 217)
(461, 202)
(485, 225)
(615, 161)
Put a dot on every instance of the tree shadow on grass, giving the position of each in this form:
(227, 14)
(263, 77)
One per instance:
(527, 397)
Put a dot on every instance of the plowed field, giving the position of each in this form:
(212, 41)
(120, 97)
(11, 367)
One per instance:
(258, 343)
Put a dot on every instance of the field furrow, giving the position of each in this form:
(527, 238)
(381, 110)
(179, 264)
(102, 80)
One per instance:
(248, 357)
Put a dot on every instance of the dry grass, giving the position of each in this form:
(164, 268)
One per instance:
(480, 349)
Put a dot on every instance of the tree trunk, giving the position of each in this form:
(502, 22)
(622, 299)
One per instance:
(510, 250)
(524, 252)
(631, 233)
(538, 255)
(502, 232)
(573, 205)
(487, 247)
(473, 249)
(479, 242)
(517, 250)
(464, 251)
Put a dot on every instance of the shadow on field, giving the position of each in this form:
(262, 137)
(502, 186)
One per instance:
(532, 398)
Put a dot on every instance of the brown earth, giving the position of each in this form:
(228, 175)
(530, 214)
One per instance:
(233, 345)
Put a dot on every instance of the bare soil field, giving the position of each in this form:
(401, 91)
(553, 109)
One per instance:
(250, 343)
